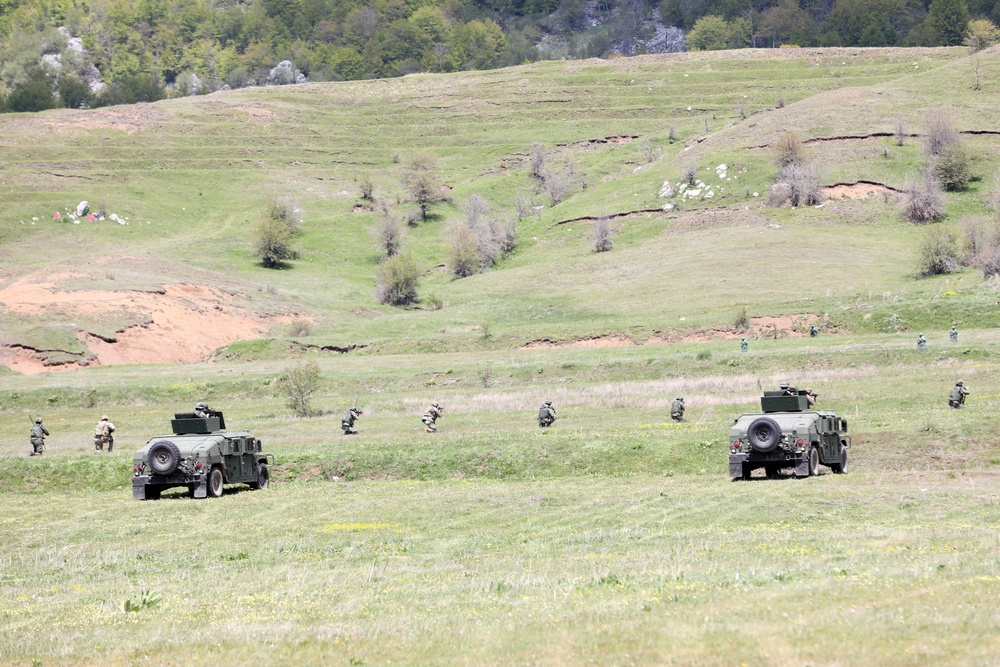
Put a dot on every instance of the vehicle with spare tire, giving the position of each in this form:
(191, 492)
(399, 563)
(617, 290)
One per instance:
(788, 433)
(201, 455)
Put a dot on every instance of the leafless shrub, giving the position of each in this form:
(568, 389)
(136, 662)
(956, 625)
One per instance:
(299, 327)
(742, 321)
(412, 217)
(561, 182)
(387, 232)
(366, 183)
(600, 235)
(939, 252)
(940, 131)
(536, 162)
(486, 377)
(287, 211)
(953, 167)
(650, 151)
(689, 175)
(900, 133)
(989, 262)
(523, 205)
(979, 234)
(741, 111)
(801, 185)
(423, 183)
(672, 134)
(396, 280)
(463, 259)
(922, 199)
(779, 103)
(788, 149)
(476, 209)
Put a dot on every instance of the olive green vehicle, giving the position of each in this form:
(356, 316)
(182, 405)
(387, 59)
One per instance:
(201, 455)
(789, 434)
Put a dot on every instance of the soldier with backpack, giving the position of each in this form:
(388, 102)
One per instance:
(546, 415)
(38, 433)
(104, 435)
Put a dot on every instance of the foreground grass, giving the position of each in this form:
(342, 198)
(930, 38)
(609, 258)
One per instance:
(857, 569)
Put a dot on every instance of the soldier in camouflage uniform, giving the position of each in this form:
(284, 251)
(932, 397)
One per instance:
(677, 409)
(813, 331)
(347, 421)
(953, 334)
(38, 433)
(104, 435)
(431, 416)
(546, 415)
(744, 345)
(203, 411)
(921, 342)
(956, 397)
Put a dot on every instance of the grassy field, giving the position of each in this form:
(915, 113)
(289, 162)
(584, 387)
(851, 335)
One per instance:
(614, 538)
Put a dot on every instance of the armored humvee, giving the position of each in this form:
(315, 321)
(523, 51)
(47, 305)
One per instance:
(790, 434)
(201, 455)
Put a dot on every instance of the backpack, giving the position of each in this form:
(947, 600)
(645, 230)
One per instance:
(102, 430)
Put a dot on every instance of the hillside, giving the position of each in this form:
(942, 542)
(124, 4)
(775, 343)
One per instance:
(189, 178)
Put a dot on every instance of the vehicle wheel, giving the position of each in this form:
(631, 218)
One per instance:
(164, 457)
(152, 492)
(841, 468)
(263, 478)
(813, 461)
(215, 483)
(763, 434)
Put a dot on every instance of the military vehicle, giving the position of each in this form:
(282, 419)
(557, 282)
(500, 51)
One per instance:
(790, 434)
(201, 455)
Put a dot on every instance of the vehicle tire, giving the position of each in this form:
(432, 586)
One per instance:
(841, 468)
(215, 483)
(164, 457)
(263, 478)
(813, 461)
(152, 492)
(763, 434)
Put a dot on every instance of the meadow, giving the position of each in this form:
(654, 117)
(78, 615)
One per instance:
(615, 537)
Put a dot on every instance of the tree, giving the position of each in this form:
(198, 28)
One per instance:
(273, 241)
(387, 232)
(982, 34)
(75, 94)
(299, 383)
(462, 252)
(423, 183)
(953, 167)
(786, 23)
(712, 33)
(949, 19)
(132, 88)
(35, 94)
(939, 252)
(850, 19)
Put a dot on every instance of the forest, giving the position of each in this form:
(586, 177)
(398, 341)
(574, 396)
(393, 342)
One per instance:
(86, 53)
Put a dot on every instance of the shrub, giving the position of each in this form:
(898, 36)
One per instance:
(650, 151)
(287, 211)
(600, 235)
(387, 232)
(523, 205)
(689, 175)
(940, 132)
(273, 242)
(476, 209)
(900, 133)
(34, 94)
(396, 280)
(299, 383)
(561, 182)
(463, 260)
(981, 34)
(299, 327)
(939, 252)
(366, 183)
(423, 183)
(742, 321)
(989, 261)
(536, 162)
(979, 234)
(130, 89)
(74, 93)
(789, 149)
(922, 199)
(952, 167)
(802, 185)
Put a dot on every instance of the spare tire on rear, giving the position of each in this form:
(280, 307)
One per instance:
(763, 434)
(164, 457)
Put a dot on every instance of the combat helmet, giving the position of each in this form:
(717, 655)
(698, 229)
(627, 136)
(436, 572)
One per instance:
(104, 418)
(200, 406)
(958, 384)
(38, 420)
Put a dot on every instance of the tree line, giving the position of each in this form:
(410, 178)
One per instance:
(85, 53)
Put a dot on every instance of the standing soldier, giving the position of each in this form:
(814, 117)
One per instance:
(743, 345)
(104, 434)
(813, 331)
(430, 418)
(921, 342)
(546, 415)
(38, 433)
(677, 409)
(956, 397)
(953, 334)
(347, 421)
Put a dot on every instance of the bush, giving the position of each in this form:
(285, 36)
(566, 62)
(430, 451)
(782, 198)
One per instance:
(387, 232)
(952, 167)
(922, 199)
(801, 185)
(34, 94)
(367, 185)
(536, 162)
(900, 133)
(74, 93)
(789, 149)
(600, 235)
(981, 34)
(939, 252)
(463, 260)
(299, 383)
(130, 89)
(396, 280)
(940, 132)
(979, 234)
(273, 242)
(561, 182)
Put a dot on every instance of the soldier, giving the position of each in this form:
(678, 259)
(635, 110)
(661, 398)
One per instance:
(743, 344)
(785, 389)
(677, 409)
(38, 433)
(956, 397)
(953, 334)
(546, 415)
(813, 331)
(347, 421)
(921, 342)
(430, 418)
(202, 410)
(104, 434)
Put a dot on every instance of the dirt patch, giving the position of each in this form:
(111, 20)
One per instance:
(858, 190)
(760, 327)
(184, 323)
(591, 341)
